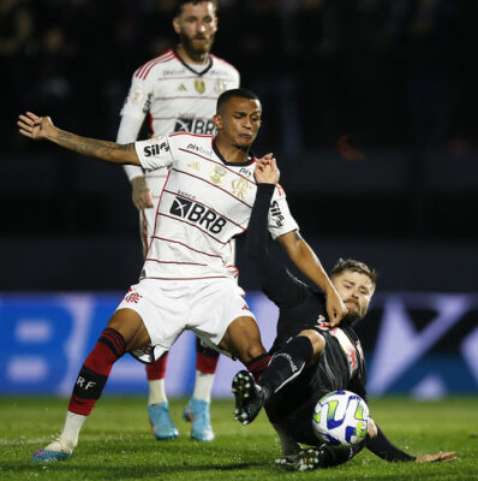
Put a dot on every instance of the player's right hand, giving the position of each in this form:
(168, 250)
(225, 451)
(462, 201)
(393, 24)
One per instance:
(141, 195)
(34, 127)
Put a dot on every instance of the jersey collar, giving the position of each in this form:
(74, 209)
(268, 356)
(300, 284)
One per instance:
(199, 73)
(250, 159)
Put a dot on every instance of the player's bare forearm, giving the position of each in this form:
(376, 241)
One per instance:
(36, 128)
(309, 264)
(100, 149)
(305, 259)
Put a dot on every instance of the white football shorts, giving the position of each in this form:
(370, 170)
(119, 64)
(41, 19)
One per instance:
(167, 308)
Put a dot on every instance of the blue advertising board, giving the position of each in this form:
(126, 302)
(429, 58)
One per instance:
(421, 344)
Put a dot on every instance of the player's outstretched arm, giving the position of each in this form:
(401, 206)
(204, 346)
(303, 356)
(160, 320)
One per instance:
(383, 448)
(37, 128)
(309, 264)
(436, 457)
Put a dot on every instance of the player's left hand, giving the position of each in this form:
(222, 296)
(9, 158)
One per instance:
(336, 308)
(436, 457)
(267, 171)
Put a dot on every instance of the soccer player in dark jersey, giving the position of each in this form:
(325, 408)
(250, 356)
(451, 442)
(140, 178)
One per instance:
(332, 358)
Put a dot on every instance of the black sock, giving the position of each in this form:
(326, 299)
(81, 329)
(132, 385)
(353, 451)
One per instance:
(286, 365)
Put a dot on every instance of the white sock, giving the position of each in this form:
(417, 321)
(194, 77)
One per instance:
(157, 392)
(72, 428)
(203, 386)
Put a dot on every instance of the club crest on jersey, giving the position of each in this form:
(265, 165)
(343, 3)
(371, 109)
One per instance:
(155, 149)
(198, 214)
(217, 174)
(200, 86)
(240, 188)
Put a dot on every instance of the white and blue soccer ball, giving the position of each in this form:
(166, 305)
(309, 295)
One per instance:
(341, 418)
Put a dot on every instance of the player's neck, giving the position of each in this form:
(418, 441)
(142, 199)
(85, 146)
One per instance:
(192, 57)
(229, 152)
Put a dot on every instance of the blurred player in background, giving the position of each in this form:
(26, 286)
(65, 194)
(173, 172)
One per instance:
(177, 91)
(332, 358)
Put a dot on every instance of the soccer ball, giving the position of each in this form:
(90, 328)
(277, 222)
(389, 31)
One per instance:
(341, 418)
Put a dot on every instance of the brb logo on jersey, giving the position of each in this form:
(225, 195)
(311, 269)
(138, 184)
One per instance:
(197, 213)
(195, 125)
(155, 149)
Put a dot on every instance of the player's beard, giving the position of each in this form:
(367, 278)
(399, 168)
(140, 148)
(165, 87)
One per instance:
(196, 52)
(351, 318)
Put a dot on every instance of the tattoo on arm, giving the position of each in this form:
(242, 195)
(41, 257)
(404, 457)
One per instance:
(101, 149)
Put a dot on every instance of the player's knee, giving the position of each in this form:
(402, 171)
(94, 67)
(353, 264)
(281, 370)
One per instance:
(243, 339)
(130, 325)
(251, 351)
(317, 340)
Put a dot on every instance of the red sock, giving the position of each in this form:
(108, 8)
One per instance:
(95, 371)
(258, 365)
(157, 369)
(206, 358)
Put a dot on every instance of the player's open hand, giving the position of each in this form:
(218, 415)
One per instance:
(142, 197)
(35, 127)
(436, 457)
(336, 308)
(267, 171)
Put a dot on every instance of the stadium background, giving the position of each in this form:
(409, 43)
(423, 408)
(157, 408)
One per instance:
(370, 108)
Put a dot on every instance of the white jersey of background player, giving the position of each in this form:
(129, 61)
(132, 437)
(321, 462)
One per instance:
(174, 96)
(177, 91)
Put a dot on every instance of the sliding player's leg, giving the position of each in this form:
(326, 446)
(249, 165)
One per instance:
(285, 365)
(125, 332)
(198, 408)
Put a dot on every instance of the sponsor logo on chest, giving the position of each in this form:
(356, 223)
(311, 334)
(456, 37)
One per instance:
(198, 214)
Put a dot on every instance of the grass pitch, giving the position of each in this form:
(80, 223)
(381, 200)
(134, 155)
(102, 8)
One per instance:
(116, 444)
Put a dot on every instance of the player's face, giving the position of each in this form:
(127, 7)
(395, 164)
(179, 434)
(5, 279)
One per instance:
(196, 27)
(239, 121)
(356, 290)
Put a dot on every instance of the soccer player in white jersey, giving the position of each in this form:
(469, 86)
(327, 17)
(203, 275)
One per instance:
(177, 91)
(185, 283)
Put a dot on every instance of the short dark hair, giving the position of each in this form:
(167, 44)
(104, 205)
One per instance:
(180, 4)
(229, 94)
(354, 265)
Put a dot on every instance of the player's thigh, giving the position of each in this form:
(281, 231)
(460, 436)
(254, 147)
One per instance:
(130, 325)
(162, 310)
(243, 339)
(221, 317)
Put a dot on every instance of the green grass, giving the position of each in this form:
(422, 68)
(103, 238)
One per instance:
(116, 444)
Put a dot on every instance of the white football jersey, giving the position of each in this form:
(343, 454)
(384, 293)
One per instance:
(175, 96)
(205, 203)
